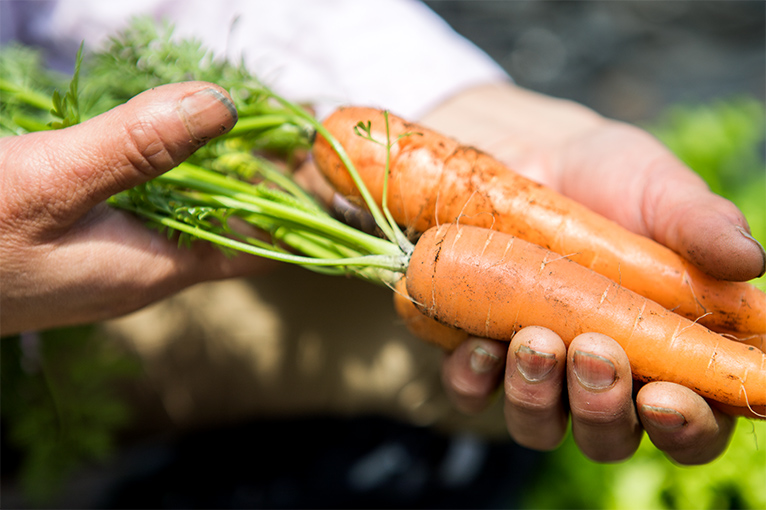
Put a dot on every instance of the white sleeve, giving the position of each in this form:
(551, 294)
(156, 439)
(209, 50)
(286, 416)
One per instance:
(394, 54)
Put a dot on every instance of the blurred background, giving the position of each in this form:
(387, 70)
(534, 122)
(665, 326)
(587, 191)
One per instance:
(692, 72)
(628, 60)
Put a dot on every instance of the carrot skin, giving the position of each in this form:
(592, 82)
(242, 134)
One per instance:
(491, 284)
(422, 326)
(433, 180)
(754, 339)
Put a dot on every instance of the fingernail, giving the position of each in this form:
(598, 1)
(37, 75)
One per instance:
(208, 113)
(534, 365)
(593, 371)
(663, 417)
(759, 245)
(483, 361)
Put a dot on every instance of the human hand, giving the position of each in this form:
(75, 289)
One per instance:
(66, 257)
(544, 385)
(626, 175)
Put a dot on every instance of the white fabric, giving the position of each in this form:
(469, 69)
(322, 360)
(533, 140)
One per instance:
(394, 54)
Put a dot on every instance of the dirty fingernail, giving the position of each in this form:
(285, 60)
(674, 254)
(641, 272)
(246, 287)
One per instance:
(208, 113)
(593, 371)
(534, 365)
(662, 417)
(759, 245)
(483, 361)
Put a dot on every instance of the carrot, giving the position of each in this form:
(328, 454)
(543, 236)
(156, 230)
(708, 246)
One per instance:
(433, 179)
(491, 284)
(428, 329)
(756, 340)
(423, 326)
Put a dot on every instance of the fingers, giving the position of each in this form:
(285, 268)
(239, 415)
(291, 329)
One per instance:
(660, 197)
(604, 423)
(472, 373)
(67, 172)
(709, 231)
(682, 424)
(535, 411)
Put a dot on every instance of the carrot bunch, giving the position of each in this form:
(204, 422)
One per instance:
(499, 252)
(546, 260)
(433, 179)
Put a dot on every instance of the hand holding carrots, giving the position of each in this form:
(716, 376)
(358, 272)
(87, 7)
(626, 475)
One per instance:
(66, 258)
(626, 176)
(640, 201)
(545, 386)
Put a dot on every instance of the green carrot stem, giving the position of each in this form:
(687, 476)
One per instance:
(270, 173)
(379, 218)
(228, 192)
(257, 123)
(394, 263)
(27, 96)
(326, 226)
(400, 238)
(31, 124)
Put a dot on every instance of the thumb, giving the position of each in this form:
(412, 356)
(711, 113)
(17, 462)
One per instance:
(69, 171)
(714, 235)
(625, 174)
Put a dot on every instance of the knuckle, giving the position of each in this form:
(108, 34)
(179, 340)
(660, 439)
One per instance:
(529, 405)
(465, 390)
(599, 419)
(150, 151)
(533, 440)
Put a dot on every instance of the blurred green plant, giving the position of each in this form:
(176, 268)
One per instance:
(567, 479)
(60, 403)
(724, 143)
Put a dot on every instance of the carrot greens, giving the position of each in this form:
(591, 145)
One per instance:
(236, 192)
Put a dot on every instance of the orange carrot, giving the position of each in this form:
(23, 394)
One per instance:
(491, 284)
(433, 179)
(756, 340)
(422, 326)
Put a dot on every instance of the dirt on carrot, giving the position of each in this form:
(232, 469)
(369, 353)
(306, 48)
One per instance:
(491, 284)
(423, 326)
(434, 180)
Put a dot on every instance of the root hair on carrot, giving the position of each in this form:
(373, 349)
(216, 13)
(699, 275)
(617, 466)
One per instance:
(436, 208)
(574, 254)
(502, 259)
(694, 322)
(688, 282)
(403, 294)
(462, 213)
(465, 204)
(747, 402)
